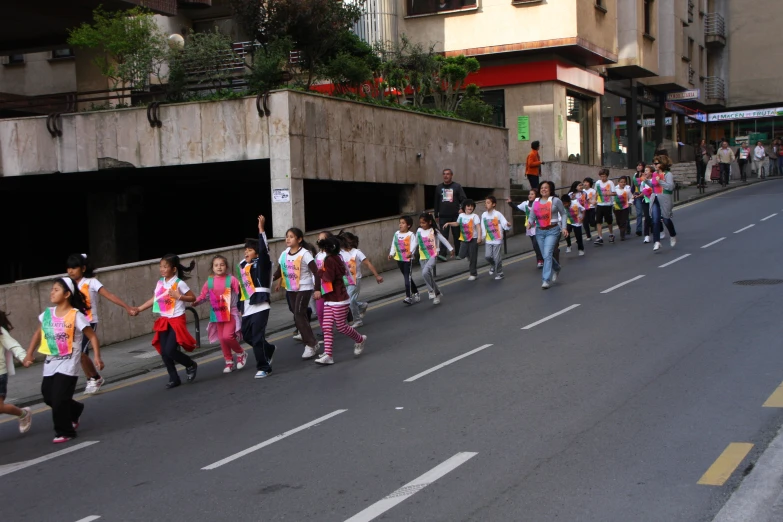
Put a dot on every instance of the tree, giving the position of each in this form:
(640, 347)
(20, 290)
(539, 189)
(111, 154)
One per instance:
(269, 62)
(473, 108)
(353, 64)
(130, 44)
(450, 78)
(207, 57)
(409, 65)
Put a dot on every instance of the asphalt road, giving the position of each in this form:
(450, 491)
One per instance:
(611, 411)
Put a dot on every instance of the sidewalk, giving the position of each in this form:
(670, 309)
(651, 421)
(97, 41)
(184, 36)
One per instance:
(137, 356)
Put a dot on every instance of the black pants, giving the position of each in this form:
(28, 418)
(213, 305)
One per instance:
(169, 351)
(406, 267)
(533, 180)
(254, 332)
(742, 164)
(470, 250)
(577, 233)
(725, 173)
(622, 218)
(701, 172)
(445, 231)
(57, 392)
(589, 221)
(647, 218)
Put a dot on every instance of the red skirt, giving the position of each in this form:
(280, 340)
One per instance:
(180, 327)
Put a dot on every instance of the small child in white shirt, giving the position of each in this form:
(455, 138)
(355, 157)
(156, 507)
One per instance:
(469, 226)
(493, 223)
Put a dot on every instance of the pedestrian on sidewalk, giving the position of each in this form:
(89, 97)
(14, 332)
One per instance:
(255, 278)
(11, 348)
(357, 259)
(661, 202)
(622, 205)
(550, 218)
(336, 301)
(530, 232)
(637, 196)
(60, 338)
(449, 197)
(704, 153)
(604, 194)
(575, 213)
(171, 329)
(429, 239)
(589, 204)
(493, 226)
(469, 225)
(80, 269)
(533, 165)
(295, 272)
(646, 189)
(725, 159)
(221, 291)
(776, 157)
(402, 250)
(743, 158)
(760, 161)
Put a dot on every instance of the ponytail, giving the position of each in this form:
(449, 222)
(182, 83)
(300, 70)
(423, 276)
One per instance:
(183, 272)
(4, 322)
(76, 299)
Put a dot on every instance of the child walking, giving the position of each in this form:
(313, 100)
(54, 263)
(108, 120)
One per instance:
(171, 329)
(255, 278)
(622, 205)
(493, 223)
(646, 190)
(525, 207)
(402, 249)
(429, 239)
(336, 301)
(81, 271)
(295, 272)
(60, 338)
(604, 194)
(574, 215)
(589, 204)
(225, 323)
(10, 349)
(469, 225)
(356, 259)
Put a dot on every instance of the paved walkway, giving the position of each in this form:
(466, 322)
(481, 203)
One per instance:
(136, 356)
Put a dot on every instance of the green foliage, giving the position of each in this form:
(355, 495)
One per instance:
(472, 107)
(130, 45)
(409, 65)
(354, 64)
(268, 64)
(450, 78)
(207, 58)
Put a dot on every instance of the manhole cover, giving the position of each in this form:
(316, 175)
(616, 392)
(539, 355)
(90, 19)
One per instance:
(759, 282)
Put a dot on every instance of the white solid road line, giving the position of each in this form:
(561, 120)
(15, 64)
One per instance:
(547, 318)
(708, 245)
(673, 261)
(10, 468)
(770, 216)
(272, 440)
(744, 228)
(441, 365)
(411, 488)
(89, 519)
(615, 287)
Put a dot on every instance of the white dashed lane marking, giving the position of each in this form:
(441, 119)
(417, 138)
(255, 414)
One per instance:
(450, 361)
(674, 261)
(547, 318)
(11, 468)
(770, 216)
(708, 245)
(615, 287)
(743, 229)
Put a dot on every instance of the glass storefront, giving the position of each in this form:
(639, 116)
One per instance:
(577, 129)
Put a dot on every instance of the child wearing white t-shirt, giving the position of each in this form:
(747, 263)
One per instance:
(493, 224)
(355, 260)
(469, 225)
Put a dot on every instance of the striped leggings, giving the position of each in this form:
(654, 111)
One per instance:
(336, 316)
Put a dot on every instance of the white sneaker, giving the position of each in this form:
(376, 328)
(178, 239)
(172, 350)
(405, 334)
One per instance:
(657, 246)
(229, 366)
(491, 271)
(26, 421)
(309, 352)
(241, 360)
(472, 278)
(431, 294)
(437, 299)
(646, 239)
(581, 252)
(357, 324)
(358, 348)
(363, 309)
(568, 250)
(93, 385)
(672, 240)
(500, 276)
(324, 359)
(416, 298)
(663, 234)
(297, 336)
(545, 285)
(554, 276)
(262, 374)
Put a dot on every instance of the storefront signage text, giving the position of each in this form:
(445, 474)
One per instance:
(745, 115)
(523, 128)
(683, 95)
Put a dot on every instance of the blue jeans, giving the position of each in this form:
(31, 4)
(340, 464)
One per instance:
(655, 210)
(639, 204)
(547, 242)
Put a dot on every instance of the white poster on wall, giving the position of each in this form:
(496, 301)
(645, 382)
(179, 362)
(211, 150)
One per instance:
(281, 195)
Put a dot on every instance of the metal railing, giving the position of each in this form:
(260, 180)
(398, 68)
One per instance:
(714, 25)
(714, 88)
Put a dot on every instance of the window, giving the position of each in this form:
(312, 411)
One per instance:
(702, 63)
(62, 53)
(14, 59)
(497, 100)
(577, 129)
(687, 53)
(648, 17)
(422, 7)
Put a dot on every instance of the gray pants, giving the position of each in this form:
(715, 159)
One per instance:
(492, 255)
(470, 250)
(427, 272)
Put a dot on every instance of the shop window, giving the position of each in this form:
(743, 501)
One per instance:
(423, 7)
(577, 129)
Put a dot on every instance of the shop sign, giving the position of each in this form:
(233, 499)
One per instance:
(683, 95)
(523, 128)
(746, 115)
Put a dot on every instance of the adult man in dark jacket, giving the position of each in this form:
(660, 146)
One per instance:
(448, 200)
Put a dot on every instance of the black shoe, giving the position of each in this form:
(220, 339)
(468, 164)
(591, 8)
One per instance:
(192, 372)
(639, 234)
(172, 384)
(611, 238)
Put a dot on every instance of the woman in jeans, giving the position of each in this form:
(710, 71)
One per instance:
(550, 219)
(661, 202)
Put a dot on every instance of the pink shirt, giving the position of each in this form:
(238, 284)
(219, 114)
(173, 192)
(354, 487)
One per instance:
(219, 286)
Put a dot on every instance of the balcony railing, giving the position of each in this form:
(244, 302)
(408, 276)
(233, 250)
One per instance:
(691, 10)
(691, 74)
(714, 89)
(714, 29)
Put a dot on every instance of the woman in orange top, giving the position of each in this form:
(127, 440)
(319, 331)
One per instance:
(533, 165)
